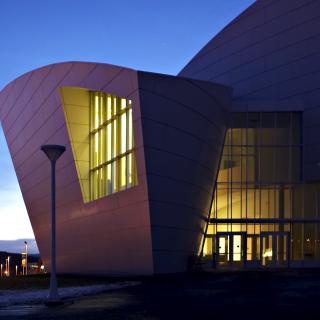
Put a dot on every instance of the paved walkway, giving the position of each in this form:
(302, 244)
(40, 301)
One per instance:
(210, 295)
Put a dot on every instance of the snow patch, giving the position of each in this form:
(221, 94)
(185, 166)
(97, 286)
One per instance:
(12, 297)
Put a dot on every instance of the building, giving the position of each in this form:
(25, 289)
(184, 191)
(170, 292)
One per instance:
(133, 190)
(267, 195)
(221, 161)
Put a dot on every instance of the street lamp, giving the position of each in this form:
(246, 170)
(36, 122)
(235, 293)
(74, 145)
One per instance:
(1, 269)
(26, 267)
(8, 270)
(53, 152)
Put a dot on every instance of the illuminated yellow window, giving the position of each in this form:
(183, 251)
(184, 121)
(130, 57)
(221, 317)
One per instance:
(109, 107)
(109, 142)
(112, 162)
(123, 176)
(123, 103)
(123, 133)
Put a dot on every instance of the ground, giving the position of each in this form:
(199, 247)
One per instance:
(201, 295)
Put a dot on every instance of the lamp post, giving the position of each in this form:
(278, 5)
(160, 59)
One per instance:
(8, 271)
(1, 269)
(26, 267)
(53, 152)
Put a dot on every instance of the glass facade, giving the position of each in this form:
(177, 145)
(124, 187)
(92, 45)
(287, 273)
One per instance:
(261, 207)
(112, 159)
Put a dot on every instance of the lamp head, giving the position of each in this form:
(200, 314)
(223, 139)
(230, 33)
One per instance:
(53, 151)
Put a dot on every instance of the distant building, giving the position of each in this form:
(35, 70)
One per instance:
(222, 160)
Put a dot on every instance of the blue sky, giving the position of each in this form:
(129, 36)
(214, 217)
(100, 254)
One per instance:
(153, 35)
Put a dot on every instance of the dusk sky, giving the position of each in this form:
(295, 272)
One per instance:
(152, 35)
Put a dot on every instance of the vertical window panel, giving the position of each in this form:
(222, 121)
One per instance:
(95, 184)
(114, 176)
(114, 140)
(123, 103)
(96, 149)
(130, 130)
(109, 107)
(115, 106)
(123, 133)
(123, 174)
(112, 161)
(101, 182)
(109, 178)
(109, 142)
(129, 169)
(96, 111)
(102, 110)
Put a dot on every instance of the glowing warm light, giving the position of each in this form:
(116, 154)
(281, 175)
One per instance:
(237, 247)
(123, 133)
(109, 108)
(96, 114)
(109, 144)
(222, 245)
(123, 175)
(96, 143)
(254, 182)
(115, 139)
(123, 103)
(267, 253)
(112, 161)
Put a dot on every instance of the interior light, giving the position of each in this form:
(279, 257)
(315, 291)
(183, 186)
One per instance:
(267, 253)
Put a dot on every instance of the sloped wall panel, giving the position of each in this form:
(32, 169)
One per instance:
(183, 124)
(110, 235)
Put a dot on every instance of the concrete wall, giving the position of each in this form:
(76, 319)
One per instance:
(270, 55)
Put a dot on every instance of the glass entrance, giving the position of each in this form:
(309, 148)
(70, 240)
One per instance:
(253, 250)
(230, 248)
(275, 249)
(223, 250)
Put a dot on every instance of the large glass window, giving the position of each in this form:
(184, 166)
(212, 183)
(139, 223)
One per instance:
(112, 160)
(260, 166)
(260, 177)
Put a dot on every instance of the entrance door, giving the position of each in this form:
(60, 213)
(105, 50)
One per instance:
(223, 249)
(275, 249)
(230, 248)
(253, 250)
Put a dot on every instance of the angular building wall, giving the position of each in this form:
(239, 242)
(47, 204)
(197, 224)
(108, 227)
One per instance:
(183, 124)
(111, 235)
(270, 56)
(152, 227)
